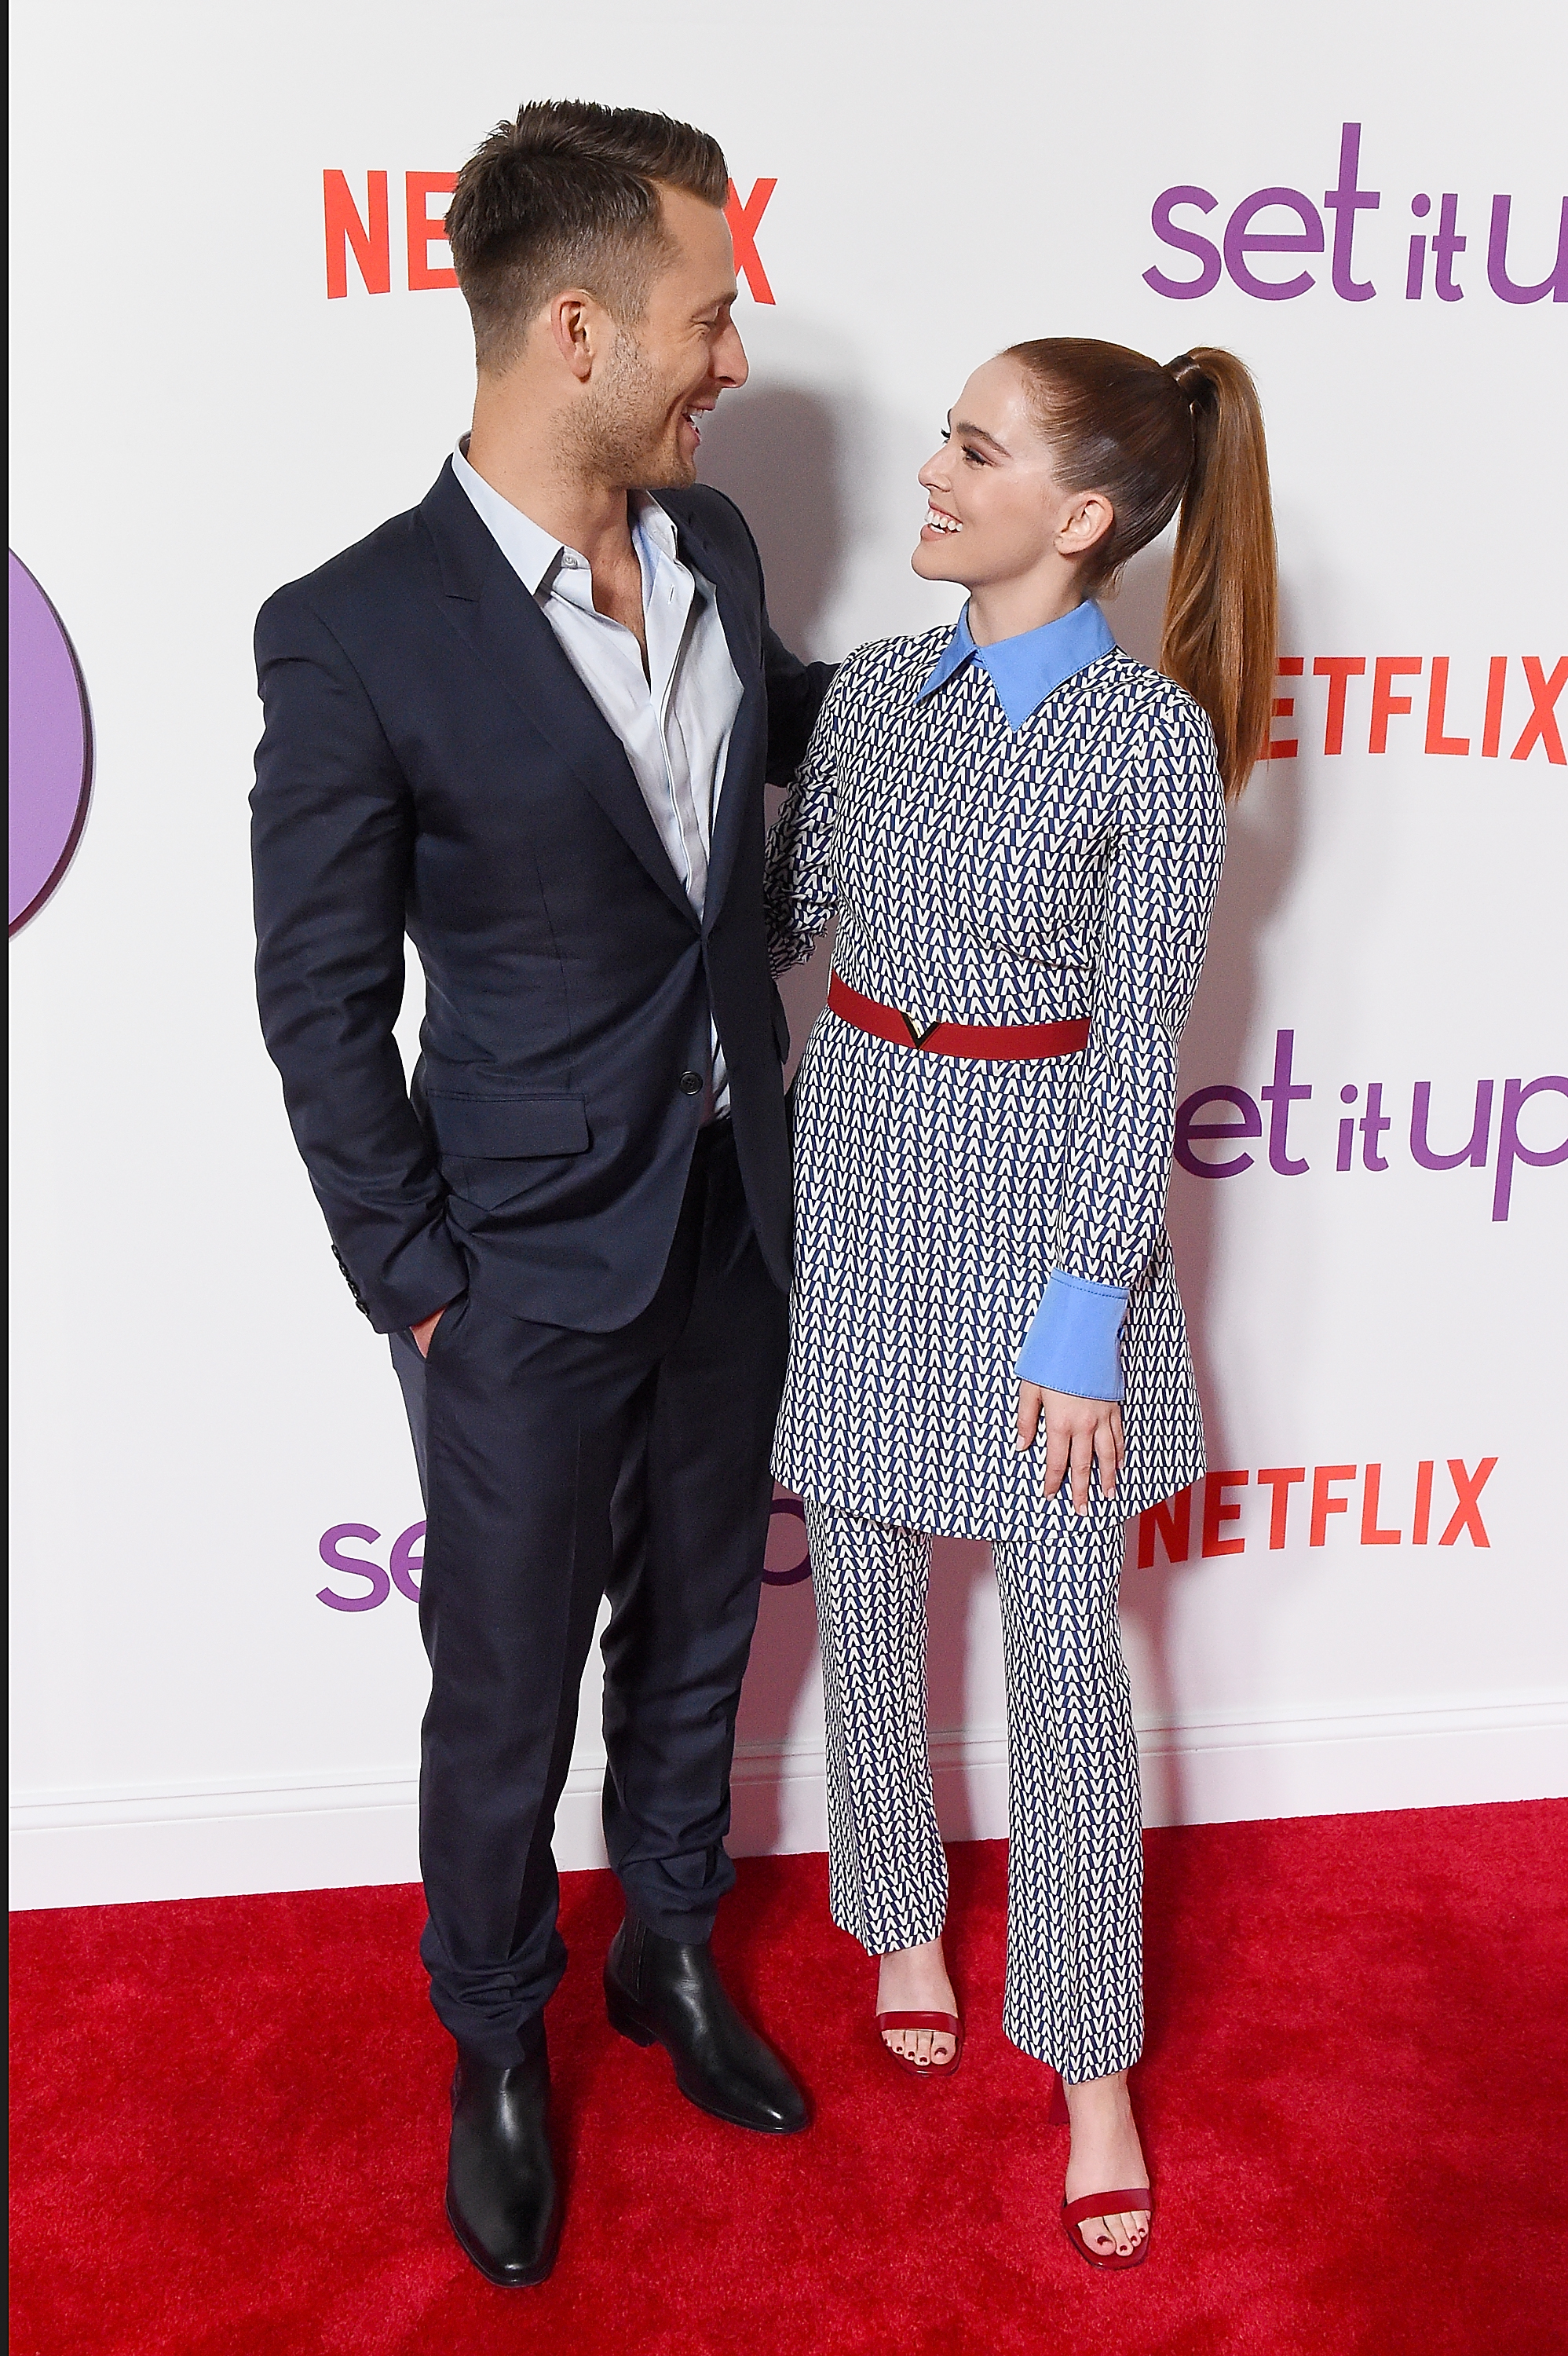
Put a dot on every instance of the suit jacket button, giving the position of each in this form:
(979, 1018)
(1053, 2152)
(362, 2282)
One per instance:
(691, 1084)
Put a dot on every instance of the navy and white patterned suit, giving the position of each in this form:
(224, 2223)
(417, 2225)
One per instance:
(952, 1211)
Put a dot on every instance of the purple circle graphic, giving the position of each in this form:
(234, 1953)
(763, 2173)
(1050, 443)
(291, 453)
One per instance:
(797, 1571)
(51, 747)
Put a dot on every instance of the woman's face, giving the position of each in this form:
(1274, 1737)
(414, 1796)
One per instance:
(998, 513)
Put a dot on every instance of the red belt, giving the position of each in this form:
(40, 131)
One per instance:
(1010, 1042)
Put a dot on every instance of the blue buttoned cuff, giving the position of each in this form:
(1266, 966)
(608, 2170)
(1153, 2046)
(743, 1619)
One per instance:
(1072, 1344)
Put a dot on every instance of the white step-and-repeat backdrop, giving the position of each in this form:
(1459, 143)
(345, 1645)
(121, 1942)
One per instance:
(238, 348)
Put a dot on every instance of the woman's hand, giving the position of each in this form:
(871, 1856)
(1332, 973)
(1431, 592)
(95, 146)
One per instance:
(1079, 1434)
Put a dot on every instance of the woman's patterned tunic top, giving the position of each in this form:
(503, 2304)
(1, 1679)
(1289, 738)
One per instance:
(987, 874)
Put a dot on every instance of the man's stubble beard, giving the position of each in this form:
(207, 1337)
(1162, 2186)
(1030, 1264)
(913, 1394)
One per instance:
(623, 435)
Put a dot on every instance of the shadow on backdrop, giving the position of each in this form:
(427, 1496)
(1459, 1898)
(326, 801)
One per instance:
(777, 452)
(1260, 855)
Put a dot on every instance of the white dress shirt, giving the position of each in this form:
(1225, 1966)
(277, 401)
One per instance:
(676, 719)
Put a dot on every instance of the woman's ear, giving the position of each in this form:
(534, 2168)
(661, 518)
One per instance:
(1084, 519)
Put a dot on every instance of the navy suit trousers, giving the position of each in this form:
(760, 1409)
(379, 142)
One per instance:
(560, 1467)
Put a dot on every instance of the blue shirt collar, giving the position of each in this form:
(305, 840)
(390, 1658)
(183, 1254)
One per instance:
(1026, 670)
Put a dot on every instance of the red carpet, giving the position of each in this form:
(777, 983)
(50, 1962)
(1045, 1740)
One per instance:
(228, 2127)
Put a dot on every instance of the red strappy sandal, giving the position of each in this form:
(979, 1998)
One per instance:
(1140, 2201)
(948, 2023)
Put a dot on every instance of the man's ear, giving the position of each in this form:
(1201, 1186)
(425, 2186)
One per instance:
(579, 329)
(1085, 520)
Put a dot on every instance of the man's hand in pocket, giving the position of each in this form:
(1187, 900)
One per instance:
(426, 1327)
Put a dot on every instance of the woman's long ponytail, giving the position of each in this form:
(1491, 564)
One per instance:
(1154, 438)
(1221, 608)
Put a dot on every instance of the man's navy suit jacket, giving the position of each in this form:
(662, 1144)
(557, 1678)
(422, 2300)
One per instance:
(431, 762)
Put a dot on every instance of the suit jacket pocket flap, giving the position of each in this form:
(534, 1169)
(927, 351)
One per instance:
(504, 1128)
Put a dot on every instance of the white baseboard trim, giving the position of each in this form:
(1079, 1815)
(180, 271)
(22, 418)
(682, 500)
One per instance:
(223, 1840)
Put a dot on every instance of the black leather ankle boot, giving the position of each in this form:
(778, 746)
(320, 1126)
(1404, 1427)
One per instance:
(662, 1990)
(501, 2198)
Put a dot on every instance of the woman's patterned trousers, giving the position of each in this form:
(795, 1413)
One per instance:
(1074, 1980)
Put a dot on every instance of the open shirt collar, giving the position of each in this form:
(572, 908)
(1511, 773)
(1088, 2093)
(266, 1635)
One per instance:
(535, 556)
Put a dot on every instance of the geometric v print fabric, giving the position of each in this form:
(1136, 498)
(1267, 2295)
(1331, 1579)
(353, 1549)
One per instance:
(985, 875)
(982, 873)
(1074, 1987)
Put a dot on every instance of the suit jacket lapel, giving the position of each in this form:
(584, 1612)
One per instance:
(748, 739)
(491, 610)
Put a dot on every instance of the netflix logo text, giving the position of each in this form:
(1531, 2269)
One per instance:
(1350, 1501)
(1470, 715)
(359, 235)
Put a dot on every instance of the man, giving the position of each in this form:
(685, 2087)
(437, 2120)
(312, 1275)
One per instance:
(529, 724)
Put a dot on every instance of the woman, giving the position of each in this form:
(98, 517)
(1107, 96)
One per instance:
(1019, 830)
